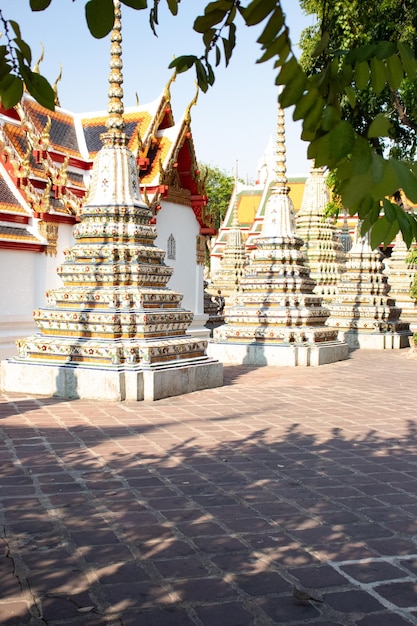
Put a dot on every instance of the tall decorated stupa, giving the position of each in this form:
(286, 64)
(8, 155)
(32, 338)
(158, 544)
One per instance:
(226, 281)
(323, 249)
(114, 330)
(364, 313)
(401, 273)
(277, 319)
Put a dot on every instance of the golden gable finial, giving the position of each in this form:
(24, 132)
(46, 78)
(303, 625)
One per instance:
(55, 86)
(187, 114)
(36, 69)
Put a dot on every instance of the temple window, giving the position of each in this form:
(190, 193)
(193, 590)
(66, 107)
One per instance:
(171, 247)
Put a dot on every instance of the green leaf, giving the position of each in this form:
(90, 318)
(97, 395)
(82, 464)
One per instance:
(11, 91)
(405, 225)
(354, 189)
(361, 54)
(407, 180)
(39, 5)
(227, 48)
(100, 17)
(333, 146)
(16, 28)
(408, 60)
(208, 37)
(231, 16)
(305, 103)
(312, 118)
(272, 28)
(385, 179)
(378, 74)
(380, 126)
(379, 232)
(351, 95)
(24, 49)
(275, 47)
(389, 210)
(218, 55)
(204, 22)
(257, 11)
(40, 89)
(369, 211)
(331, 116)
(142, 4)
(322, 44)
(288, 72)
(210, 74)
(394, 71)
(362, 75)
(183, 63)
(384, 49)
(293, 90)
(202, 78)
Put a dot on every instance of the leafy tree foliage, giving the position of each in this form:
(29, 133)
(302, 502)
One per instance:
(326, 100)
(219, 187)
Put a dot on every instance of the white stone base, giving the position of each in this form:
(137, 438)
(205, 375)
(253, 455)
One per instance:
(278, 354)
(11, 331)
(197, 327)
(68, 381)
(374, 341)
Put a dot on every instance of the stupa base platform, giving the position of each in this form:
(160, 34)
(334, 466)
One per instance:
(117, 384)
(375, 341)
(291, 354)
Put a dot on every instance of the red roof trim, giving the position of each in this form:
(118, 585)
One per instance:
(17, 219)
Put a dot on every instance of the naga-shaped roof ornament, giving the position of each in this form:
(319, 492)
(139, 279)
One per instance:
(167, 89)
(36, 69)
(187, 113)
(55, 86)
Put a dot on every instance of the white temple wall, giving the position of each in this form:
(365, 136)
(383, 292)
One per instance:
(179, 221)
(178, 230)
(24, 279)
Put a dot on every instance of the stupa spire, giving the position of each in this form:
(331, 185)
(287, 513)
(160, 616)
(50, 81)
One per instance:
(279, 220)
(281, 150)
(115, 122)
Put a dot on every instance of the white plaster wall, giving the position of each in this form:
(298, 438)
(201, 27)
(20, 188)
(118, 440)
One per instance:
(24, 279)
(188, 279)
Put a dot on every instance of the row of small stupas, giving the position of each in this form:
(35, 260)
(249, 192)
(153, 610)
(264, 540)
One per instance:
(365, 309)
(46, 160)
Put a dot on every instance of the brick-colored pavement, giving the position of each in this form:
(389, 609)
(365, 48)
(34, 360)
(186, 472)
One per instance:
(225, 507)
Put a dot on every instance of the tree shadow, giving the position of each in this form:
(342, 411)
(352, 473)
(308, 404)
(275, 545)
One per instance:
(114, 517)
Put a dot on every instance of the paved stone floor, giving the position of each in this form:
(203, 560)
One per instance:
(288, 496)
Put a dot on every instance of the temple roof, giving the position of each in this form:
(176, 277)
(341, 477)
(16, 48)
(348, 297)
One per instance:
(48, 156)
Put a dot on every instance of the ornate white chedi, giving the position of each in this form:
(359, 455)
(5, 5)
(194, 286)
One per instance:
(277, 319)
(401, 274)
(226, 280)
(323, 249)
(363, 313)
(114, 330)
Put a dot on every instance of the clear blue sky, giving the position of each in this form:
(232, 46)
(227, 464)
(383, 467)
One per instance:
(232, 122)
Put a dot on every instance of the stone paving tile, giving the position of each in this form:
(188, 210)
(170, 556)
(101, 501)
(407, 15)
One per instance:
(288, 496)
